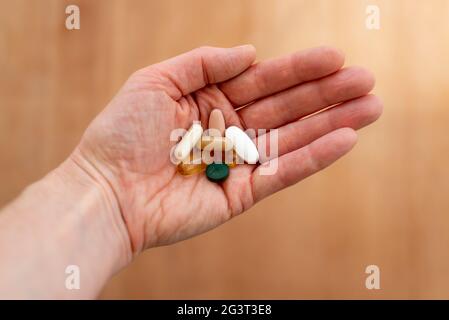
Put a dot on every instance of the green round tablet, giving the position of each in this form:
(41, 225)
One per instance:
(217, 172)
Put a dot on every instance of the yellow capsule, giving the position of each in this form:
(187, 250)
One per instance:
(188, 169)
(192, 164)
(214, 143)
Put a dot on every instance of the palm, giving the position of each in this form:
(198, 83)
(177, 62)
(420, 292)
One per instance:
(132, 137)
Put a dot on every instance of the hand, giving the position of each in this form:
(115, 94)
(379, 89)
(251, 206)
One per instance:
(129, 145)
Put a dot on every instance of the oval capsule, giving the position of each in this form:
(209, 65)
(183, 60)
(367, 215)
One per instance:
(188, 141)
(192, 164)
(217, 122)
(243, 145)
(214, 143)
(188, 169)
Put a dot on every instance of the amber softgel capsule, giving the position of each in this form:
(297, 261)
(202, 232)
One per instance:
(188, 169)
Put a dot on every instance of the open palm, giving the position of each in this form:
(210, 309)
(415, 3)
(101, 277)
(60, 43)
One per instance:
(129, 142)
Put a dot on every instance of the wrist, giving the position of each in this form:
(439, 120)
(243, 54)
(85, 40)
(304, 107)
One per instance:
(99, 209)
(68, 218)
(90, 230)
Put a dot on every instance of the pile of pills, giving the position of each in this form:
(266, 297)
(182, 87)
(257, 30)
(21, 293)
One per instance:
(215, 150)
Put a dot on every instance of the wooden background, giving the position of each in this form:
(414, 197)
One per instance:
(387, 203)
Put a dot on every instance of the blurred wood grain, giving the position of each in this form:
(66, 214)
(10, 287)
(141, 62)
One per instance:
(385, 204)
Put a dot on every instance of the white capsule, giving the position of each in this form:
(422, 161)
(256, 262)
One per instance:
(243, 145)
(188, 141)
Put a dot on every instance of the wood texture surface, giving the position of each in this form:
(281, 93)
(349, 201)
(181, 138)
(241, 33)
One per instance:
(386, 203)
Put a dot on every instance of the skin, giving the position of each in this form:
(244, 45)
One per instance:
(118, 193)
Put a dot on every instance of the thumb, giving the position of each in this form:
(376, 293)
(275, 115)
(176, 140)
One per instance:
(195, 69)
